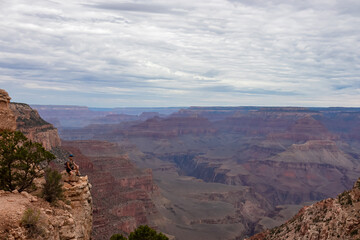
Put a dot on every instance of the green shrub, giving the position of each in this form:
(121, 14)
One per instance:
(31, 220)
(52, 186)
(354, 232)
(141, 233)
(345, 198)
(117, 237)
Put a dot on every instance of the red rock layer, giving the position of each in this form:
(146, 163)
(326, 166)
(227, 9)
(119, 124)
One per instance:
(121, 192)
(304, 129)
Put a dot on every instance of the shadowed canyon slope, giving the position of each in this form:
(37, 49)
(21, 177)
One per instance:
(269, 162)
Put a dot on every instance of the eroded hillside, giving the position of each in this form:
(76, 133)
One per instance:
(332, 218)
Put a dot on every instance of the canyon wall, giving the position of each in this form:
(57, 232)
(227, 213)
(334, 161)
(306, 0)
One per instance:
(29, 122)
(122, 193)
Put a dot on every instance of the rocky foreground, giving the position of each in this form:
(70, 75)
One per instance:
(332, 218)
(70, 219)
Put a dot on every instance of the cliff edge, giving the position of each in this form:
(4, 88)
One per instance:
(332, 218)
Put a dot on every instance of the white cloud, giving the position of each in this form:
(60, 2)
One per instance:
(177, 53)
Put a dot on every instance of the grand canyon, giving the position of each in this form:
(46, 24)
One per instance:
(208, 172)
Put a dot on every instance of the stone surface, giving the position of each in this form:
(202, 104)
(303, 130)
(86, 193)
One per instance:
(77, 194)
(7, 118)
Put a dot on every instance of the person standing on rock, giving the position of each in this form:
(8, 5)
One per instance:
(71, 167)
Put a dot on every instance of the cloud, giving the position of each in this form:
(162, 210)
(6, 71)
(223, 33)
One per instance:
(135, 7)
(177, 53)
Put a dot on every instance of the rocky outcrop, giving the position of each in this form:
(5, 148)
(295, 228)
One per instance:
(333, 218)
(7, 118)
(71, 219)
(34, 127)
(77, 194)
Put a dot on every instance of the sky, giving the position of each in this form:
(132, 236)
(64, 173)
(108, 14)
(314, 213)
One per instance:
(161, 53)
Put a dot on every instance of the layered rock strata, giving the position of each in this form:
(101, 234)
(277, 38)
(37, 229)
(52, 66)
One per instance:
(7, 118)
(29, 122)
(121, 192)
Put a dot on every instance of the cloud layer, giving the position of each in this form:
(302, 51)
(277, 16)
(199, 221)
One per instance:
(181, 53)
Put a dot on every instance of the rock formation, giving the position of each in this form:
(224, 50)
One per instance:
(29, 122)
(71, 219)
(7, 118)
(332, 218)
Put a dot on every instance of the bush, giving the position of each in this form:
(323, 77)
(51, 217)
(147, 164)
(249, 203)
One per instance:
(52, 186)
(20, 161)
(31, 220)
(145, 232)
(141, 233)
(345, 198)
(354, 232)
(117, 237)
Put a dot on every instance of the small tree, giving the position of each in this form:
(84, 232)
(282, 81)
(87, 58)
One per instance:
(33, 222)
(118, 237)
(146, 233)
(52, 186)
(20, 161)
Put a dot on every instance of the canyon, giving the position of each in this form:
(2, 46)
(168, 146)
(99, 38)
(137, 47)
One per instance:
(254, 167)
(196, 173)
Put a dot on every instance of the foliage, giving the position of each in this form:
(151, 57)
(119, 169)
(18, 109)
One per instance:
(20, 161)
(52, 186)
(354, 232)
(31, 220)
(345, 198)
(141, 233)
(117, 237)
(146, 233)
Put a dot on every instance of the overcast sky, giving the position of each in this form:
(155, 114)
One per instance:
(104, 53)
